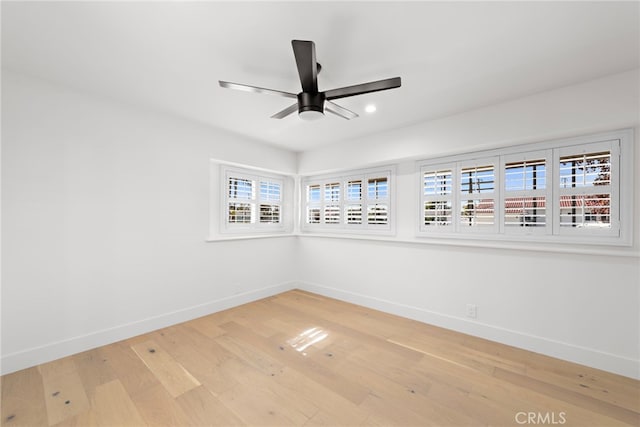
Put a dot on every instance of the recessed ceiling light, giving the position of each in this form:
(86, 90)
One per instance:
(370, 108)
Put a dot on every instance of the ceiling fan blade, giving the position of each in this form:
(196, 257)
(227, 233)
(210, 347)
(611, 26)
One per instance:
(305, 53)
(256, 89)
(363, 88)
(284, 113)
(334, 108)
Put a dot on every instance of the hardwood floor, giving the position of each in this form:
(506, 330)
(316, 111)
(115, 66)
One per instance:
(302, 359)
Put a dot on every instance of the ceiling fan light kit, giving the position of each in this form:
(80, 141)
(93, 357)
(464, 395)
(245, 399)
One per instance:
(312, 104)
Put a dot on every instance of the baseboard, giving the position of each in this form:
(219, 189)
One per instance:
(585, 356)
(34, 356)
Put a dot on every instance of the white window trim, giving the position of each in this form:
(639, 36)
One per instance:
(343, 178)
(221, 229)
(622, 231)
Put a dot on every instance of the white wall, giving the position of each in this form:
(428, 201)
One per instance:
(104, 221)
(105, 213)
(583, 308)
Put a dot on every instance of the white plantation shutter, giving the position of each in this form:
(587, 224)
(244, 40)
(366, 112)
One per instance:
(378, 200)
(313, 204)
(270, 200)
(477, 195)
(587, 184)
(437, 197)
(241, 200)
(353, 202)
(332, 203)
(526, 187)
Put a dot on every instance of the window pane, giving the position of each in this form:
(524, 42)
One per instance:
(378, 188)
(438, 212)
(437, 182)
(313, 193)
(377, 214)
(269, 214)
(332, 192)
(478, 212)
(353, 214)
(526, 175)
(269, 191)
(354, 190)
(240, 188)
(593, 210)
(525, 211)
(332, 214)
(585, 170)
(313, 215)
(239, 213)
(477, 180)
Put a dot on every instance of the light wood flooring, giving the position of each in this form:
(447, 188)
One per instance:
(302, 359)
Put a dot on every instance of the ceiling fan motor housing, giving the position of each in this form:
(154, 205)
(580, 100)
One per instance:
(311, 102)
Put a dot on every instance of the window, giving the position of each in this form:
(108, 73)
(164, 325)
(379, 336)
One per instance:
(477, 203)
(356, 201)
(587, 189)
(353, 208)
(526, 204)
(378, 201)
(563, 191)
(437, 197)
(252, 202)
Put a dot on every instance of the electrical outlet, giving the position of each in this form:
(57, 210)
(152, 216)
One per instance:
(472, 311)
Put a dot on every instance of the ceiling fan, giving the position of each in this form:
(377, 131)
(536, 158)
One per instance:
(312, 104)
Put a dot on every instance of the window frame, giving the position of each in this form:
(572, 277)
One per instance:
(614, 182)
(365, 202)
(621, 145)
(481, 162)
(546, 192)
(255, 226)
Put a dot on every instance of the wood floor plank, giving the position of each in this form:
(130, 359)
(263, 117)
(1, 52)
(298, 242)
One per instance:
(131, 371)
(64, 392)
(112, 406)
(307, 366)
(159, 408)
(206, 325)
(83, 419)
(201, 356)
(260, 408)
(23, 399)
(94, 370)
(249, 377)
(385, 392)
(204, 409)
(173, 376)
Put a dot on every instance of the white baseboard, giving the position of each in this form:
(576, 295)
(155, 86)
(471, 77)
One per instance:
(561, 350)
(34, 356)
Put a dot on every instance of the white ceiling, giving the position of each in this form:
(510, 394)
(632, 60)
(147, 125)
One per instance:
(452, 56)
